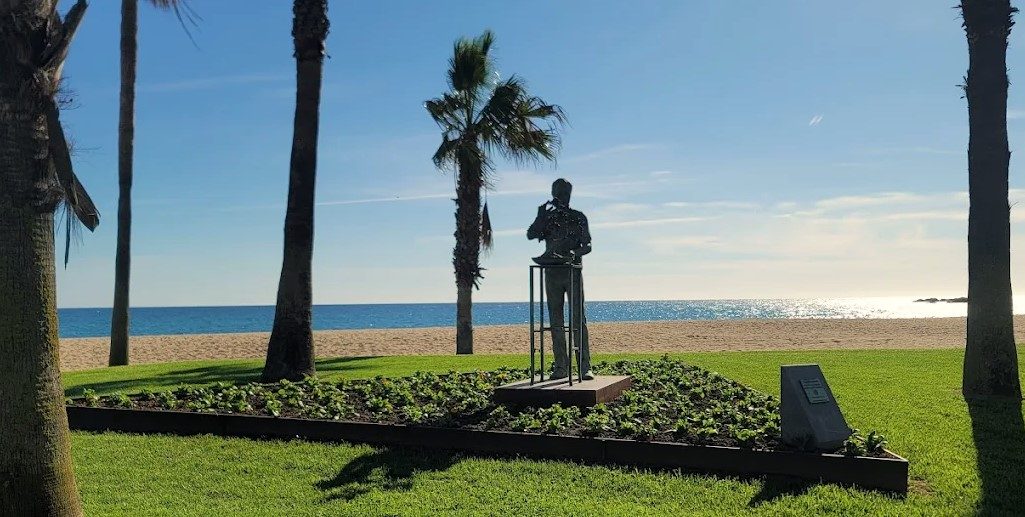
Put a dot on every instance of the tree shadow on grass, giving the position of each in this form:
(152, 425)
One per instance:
(387, 469)
(776, 487)
(234, 373)
(999, 435)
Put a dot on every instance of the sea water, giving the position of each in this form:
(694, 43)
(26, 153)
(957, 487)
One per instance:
(208, 320)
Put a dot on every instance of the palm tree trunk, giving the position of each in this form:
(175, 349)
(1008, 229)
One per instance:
(991, 364)
(290, 353)
(36, 476)
(466, 254)
(125, 148)
(464, 319)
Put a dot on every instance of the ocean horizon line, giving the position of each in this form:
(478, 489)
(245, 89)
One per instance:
(910, 298)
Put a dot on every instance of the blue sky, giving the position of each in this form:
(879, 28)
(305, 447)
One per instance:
(720, 149)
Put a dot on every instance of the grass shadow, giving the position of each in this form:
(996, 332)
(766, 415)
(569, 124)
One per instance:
(387, 469)
(999, 435)
(144, 376)
(776, 487)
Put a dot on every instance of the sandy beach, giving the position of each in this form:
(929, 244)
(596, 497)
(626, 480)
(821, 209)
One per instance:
(665, 336)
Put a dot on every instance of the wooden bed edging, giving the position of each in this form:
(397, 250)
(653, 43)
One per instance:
(887, 474)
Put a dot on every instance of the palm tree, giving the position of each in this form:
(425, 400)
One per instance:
(35, 177)
(125, 150)
(479, 116)
(290, 351)
(991, 363)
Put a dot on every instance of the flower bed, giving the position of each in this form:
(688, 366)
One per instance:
(670, 401)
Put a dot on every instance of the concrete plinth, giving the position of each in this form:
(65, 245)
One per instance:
(603, 388)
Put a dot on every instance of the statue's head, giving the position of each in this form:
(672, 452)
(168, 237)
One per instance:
(561, 191)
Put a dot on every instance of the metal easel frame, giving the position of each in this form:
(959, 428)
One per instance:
(537, 332)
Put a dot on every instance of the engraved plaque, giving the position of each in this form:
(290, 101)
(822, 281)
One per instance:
(814, 390)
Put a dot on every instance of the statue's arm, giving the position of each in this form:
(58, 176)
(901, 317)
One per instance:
(536, 230)
(585, 240)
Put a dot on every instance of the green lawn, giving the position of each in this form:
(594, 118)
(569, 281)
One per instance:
(963, 461)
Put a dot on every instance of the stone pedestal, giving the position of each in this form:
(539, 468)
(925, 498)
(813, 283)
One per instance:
(603, 388)
(809, 415)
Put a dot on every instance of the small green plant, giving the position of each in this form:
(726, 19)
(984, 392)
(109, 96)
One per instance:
(273, 407)
(557, 418)
(379, 405)
(707, 432)
(872, 444)
(627, 428)
(745, 437)
(853, 446)
(90, 398)
(645, 430)
(167, 400)
(416, 414)
(121, 400)
(598, 420)
(875, 443)
(499, 417)
(526, 421)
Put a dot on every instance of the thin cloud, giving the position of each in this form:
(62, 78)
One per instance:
(672, 244)
(915, 149)
(209, 83)
(932, 215)
(617, 149)
(426, 197)
(725, 205)
(898, 202)
(650, 222)
(343, 202)
(393, 199)
(881, 198)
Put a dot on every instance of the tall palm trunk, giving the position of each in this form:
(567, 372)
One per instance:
(290, 351)
(466, 255)
(991, 365)
(125, 149)
(36, 475)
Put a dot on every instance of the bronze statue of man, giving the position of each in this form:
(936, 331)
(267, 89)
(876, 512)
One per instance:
(567, 239)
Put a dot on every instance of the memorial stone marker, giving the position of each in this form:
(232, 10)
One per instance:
(809, 415)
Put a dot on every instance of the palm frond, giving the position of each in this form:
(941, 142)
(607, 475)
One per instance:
(75, 195)
(532, 145)
(187, 16)
(446, 153)
(471, 66)
(448, 111)
(509, 123)
(536, 108)
(77, 208)
(502, 105)
(71, 225)
(487, 234)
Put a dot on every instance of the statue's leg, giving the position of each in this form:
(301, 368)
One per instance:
(556, 285)
(580, 325)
